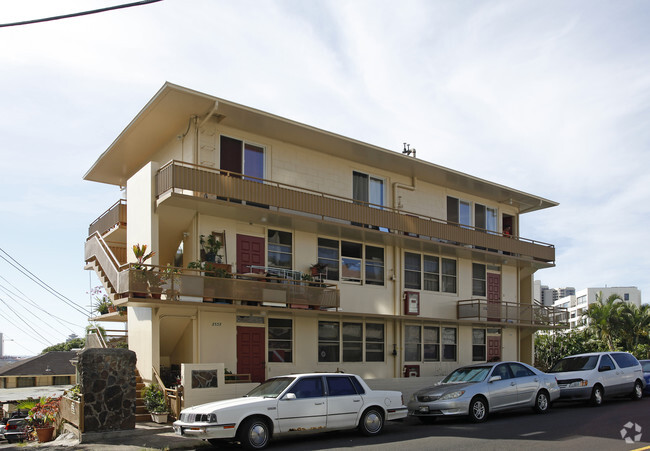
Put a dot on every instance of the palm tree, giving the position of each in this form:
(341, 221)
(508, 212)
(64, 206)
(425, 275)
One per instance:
(636, 323)
(604, 317)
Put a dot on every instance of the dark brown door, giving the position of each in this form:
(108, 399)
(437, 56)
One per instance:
(494, 296)
(250, 252)
(493, 348)
(251, 352)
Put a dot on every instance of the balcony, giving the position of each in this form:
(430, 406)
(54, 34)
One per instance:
(185, 285)
(482, 310)
(115, 216)
(178, 178)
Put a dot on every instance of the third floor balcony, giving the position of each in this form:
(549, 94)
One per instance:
(189, 180)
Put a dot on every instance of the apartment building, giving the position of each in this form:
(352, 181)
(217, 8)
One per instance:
(578, 303)
(309, 251)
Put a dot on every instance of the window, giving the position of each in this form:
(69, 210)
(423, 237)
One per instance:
(328, 255)
(430, 277)
(374, 265)
(352, 342)
(366, 188)
(280, 338)
(348, 336)
(625, 360)
(431, 273)
(412, 343)
(351, 261)
(431, 344)
(308, 387)
(25, 382)
(355, 265)
(340, 386)
(485, 218)
(279, 252)
(459, 211)
(478, 280)
(374, 342)
(626, 296)
(520, 371)
(605, 360)
(241, 158)
(478, 345)
(412, 269)
(328, 341)
(61, 380)
(448, 275)
(448, 344)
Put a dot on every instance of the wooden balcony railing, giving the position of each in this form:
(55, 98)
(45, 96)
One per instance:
(509, 312)
(204, 182)
(246, 289)
(114, 216)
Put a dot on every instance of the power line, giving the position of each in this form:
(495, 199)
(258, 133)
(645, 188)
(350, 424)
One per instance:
(38, 281)
(19, 301)
(83, 13)
(47, 342)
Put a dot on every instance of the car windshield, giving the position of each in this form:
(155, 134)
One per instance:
(580, 363)
(646, 366)
(271, 388)
(468, 374)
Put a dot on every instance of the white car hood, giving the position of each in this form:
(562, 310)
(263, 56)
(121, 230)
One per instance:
(236, 402)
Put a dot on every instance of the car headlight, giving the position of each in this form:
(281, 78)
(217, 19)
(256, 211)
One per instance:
(452, 395)
(578, 384)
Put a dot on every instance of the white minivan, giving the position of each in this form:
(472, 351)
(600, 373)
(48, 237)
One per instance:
(597, 375)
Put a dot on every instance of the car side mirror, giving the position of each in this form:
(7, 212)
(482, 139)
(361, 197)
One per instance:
(604, 368)
(495, 378)
(290, 396)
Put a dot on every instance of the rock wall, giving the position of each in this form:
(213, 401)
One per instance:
(107, 382)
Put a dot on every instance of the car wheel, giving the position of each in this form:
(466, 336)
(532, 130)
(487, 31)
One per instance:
(478, 410)
(372, 421)
(542, 403)
(596, 399)
(254, 433)
(638, 391)
(427, 420)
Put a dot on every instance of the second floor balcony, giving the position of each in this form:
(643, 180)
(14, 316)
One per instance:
(185, 179)
(499, 312)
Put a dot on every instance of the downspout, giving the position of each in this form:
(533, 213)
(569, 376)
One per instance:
(396, 279)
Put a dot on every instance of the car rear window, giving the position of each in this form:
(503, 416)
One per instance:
(340, 386)
(579, 363)
(646, 366)
(624, 359)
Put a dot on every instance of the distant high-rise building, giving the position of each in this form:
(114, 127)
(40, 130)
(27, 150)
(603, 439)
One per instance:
(547, 296)
(578, 303)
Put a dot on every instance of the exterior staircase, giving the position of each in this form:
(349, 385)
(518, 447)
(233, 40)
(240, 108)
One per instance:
(141, 414)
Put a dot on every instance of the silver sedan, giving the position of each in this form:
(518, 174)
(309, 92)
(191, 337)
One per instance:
(488, 387)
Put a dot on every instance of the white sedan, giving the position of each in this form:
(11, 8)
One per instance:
(293, 405)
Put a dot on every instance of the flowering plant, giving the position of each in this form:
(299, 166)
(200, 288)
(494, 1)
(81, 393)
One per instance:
(44, 413)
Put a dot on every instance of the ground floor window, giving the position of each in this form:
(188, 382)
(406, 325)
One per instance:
(280, 340)
(478, 345)
(431, 344)
(412, 343)
(26, 382)
(420, 339)
(349, 337)
(61, 380)
(449, 341)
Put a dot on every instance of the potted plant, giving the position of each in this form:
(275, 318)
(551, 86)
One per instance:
(317, 269)
(211, 247)
(103, 305)
(43, 416)
(140, 278)
(154, 401)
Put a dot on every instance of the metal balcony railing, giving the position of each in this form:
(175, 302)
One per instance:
(114, 216)
(178, 284)
(482, 310)
(204, 182)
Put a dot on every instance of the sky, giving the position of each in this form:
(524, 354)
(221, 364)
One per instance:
(548, 97)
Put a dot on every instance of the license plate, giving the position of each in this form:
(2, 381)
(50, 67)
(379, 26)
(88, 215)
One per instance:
(424, 409)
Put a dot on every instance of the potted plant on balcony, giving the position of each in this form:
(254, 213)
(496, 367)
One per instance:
(140, 279)
(154, 401)
(43, 416)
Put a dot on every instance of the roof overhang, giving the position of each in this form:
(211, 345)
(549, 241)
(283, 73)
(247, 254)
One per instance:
(173, 107)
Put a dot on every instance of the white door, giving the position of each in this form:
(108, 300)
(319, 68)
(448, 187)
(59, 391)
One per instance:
(343, 403)
(307, 411)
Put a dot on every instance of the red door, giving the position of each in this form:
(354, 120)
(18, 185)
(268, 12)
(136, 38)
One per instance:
(250, 352)
(250, 252)
(493, 348)
(494, 296)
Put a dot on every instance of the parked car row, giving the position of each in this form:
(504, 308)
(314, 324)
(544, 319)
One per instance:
(306, 403)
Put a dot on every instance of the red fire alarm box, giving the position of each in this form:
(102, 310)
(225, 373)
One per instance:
(411, 370)
(411, 303)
